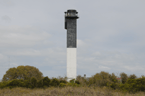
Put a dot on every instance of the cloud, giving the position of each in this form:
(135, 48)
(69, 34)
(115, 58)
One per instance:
(6, 3)
(104, 68)
(2, 57)
(16, 36)
(134, 68)
(80, 43)
(111, 61)
(6, 18)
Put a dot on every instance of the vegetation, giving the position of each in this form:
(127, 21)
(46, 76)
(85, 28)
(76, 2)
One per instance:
(65, 91)
(22, 72)
(124, 77)
(16, 78)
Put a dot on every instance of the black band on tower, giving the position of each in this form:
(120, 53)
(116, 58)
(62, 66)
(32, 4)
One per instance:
(70, 25)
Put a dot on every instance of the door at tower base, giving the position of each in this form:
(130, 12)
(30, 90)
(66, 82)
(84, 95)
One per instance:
(71, 63)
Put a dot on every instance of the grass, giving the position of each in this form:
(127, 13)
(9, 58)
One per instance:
(65, 91)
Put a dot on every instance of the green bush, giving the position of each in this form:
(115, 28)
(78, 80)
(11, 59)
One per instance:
(134, 85)
(100, 79)
(40, 83)
(82, 81)
(77, 82)
(13, 83)
(33, 82)
(3, 84)
(63, 81)
(19, 83)
(124, 77)
(113, 78)
(46, 81)
(72, 84)
(72, 81)
(16, 83)
(114, 83)
(26, 84)
(62, 84)
(140, 82)
(54, 82)
(133, 76)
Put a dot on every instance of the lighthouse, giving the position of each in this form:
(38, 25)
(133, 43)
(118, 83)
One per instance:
(71, 27)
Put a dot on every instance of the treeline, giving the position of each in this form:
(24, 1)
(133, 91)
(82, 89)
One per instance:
(31, 77)
(103, 79)
(127, 83)
(34, 83)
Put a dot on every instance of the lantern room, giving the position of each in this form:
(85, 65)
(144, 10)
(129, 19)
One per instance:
(70, 14)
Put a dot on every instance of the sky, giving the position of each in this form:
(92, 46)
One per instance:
(110, 36)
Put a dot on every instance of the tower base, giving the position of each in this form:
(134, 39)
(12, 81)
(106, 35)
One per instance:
(71, 63)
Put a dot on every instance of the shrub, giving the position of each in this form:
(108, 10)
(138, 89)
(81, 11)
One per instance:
(54, 82)
(100, 79)
(133, 76)
(140, 84)
(81, 80)
(40, 84)
(124, 77)
(77, 82)
(26, 84)
(46, 81)
(114, 83)
(134, 85)
(3, 84)
(63, 81)
(72, 84)
(33, 82)
(72, 81)
(62, 85)
(14, 83)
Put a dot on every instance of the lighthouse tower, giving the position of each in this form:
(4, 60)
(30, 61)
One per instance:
(70, 25)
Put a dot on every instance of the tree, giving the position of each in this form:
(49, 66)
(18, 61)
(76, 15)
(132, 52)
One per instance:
(100, 79)
(54, 82)
(124, 77)
(133, 76)
(22, 72)
(33, 82)
(46, 81)
(81, 80)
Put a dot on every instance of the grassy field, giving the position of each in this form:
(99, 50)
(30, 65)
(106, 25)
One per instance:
(65, 91)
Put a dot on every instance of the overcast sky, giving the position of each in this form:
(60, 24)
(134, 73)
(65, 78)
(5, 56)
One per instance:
(110, 36)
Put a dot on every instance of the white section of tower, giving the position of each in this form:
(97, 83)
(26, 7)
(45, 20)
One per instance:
(71, 63)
